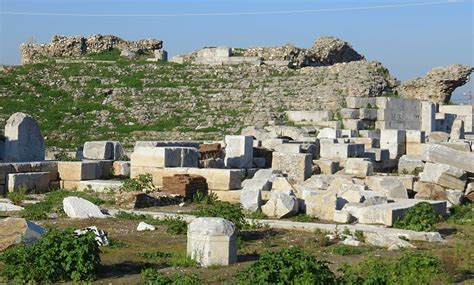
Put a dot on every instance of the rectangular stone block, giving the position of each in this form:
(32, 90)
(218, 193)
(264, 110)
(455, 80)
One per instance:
(327, 166)
(376, 154)
(340, 150)
(394, 141)
(415, 148)
(31, 181)
(368, 114)
(165, 157)
(347, 113)
(297, 165)
(5, 169)
(415, 136)
(391, 186)
(238, 151)
(449, 156)
(360, 102)
(359, 167)
(121, 168)
(69, 185)
(309, 116)
(373, 134)
(78, 170)
(445, 175)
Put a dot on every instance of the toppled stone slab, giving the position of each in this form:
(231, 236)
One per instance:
(78, 208)
(9, 207)
(212, 241)
(392, 242)
(282, 204)
(410, 164)
(18, 230)
(445, 175)
(142, 226)
(392, 187)
(449, 156)
(251, 200)
(137, 200)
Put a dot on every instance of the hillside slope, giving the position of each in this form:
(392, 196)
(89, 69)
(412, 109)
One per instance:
(105, 96)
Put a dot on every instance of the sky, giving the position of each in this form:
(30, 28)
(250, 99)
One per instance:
(408, 36)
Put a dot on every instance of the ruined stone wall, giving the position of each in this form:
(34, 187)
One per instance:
(75, 46)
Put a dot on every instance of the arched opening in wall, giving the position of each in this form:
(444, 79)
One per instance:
(285, 138)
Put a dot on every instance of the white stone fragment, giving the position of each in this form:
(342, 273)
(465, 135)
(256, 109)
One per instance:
(142, 226)
(78, 208)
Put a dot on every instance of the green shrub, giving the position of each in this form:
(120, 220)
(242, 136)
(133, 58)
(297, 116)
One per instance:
(462, 214)
(420, 217)
(370, 271)
(203, 198)
(142, 182)
(347, 250)
(176, 226)
(287, 266)
(153, 276)
(59, 255)
(226, 210)
(18, 196)
(410, 268)
(53, 203)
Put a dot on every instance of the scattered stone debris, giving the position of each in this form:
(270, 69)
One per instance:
(142, 226)
(100, 235)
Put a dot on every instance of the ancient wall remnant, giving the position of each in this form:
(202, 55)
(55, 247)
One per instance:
(75, 46)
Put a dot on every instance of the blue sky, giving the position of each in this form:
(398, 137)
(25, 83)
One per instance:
(408, 40)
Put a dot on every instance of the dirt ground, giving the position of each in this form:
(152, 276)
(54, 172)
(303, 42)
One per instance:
(121, 263)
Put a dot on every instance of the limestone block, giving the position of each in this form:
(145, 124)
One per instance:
(230, 196)
(251, 200)
(165, 157)
(309, 116)
(373, 134)
(341, 150)
(212, 241)
(445, 175)
(18, 230)
(238, 151)
(49, 166)
(457, 130)
(288, 148)
(282, 204)
(9, 207)
(297, 165)
(392, 242)
(368, 114)
(322, 206)
(102, 150)
(322, 181)
(359, 167)
(454, 197)
(431, 191)
(368, 143)
(449, 156)
(360, 102)
(376, 154)
(394, 141)
(387, 214)
(5, 169)
(38, 181)
(438, 137)
(416, 148)
(142, 226)
(78, 170)
(69, 185)
(392, 187)
(23, 139)
(78, 208)
(259, 181)
(410, 164)
(329, 133)
(219, 179)
(458, 145)
(99, 186)
(415, 136)
(327, 166)
(347, 113)
(121, 168)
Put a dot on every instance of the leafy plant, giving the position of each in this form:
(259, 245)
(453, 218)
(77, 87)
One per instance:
(342, 249)
(143, 182)
(226, 210)
(153, 276)
(359, 235)
(203, 198)
(59, 255)
(420, 217)
(176, 226)
(174, 259)
(410, 268)
(462, 214)
(304, 218)
(18, 196)
(287, 266)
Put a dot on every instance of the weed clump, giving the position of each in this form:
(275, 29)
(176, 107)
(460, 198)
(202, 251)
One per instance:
(420, 217)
